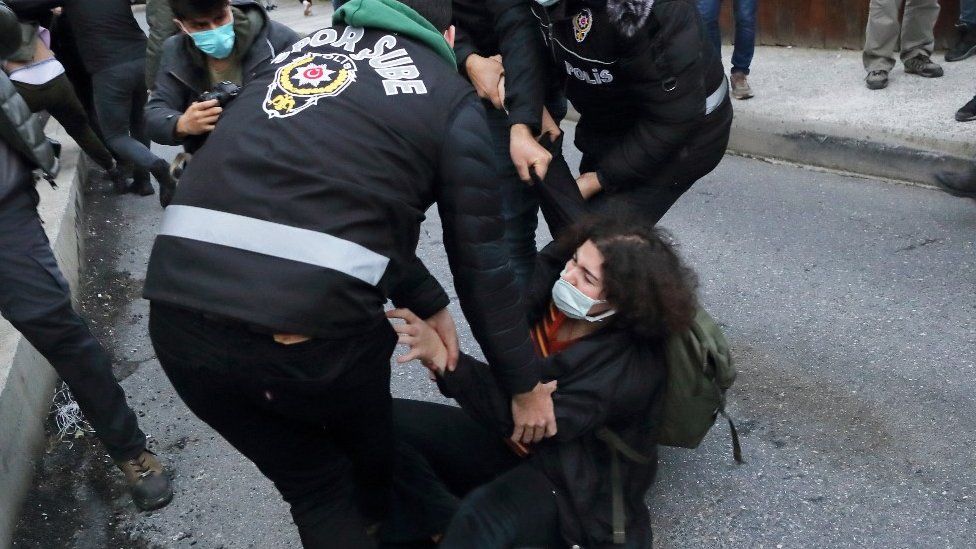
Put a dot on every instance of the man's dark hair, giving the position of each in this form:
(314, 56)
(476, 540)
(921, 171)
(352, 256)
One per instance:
(652, 289)
(187, 9)
(438, 12)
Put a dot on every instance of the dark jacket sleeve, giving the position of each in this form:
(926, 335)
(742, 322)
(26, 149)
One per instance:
(669, 118)
(419, 291)
(28, 8)
(581, 406)
(470, 211)
(525, 59)
(463, 48)
(159, 17)
(282, 36)
(168, 98)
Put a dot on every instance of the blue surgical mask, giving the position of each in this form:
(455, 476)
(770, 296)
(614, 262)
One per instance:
(217, 43)
(574, 303)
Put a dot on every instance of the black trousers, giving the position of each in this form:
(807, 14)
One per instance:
(36, 300)
(314, 417)
(120, 97)
(58, 98)
(502, 500)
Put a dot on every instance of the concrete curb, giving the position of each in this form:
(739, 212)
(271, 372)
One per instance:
(26, 379)
(856, 150)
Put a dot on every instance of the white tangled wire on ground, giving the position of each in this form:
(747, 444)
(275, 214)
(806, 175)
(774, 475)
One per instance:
(71, 423)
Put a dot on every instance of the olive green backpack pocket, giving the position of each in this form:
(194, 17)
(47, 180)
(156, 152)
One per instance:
(700, 370)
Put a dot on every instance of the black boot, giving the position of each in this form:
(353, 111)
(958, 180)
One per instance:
(120, 183)
(961, 185)
(965, 47)
(141, 184)
(167, 185)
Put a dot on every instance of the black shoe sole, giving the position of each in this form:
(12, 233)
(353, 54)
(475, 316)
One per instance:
(967, 117)
(969, 53)
(158, 503)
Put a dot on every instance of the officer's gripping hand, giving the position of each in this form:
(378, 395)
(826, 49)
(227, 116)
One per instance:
(589, 184)
(199, 118)
(485, 73)
(533, 414)
(443, 324)
(528, 154)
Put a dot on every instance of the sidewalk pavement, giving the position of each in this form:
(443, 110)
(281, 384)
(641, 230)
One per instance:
(812, 107)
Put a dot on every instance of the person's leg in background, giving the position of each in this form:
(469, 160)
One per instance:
(710, 11)
(965, 46)
(115, 98)
(745, 46)
(880, 42)
(137, 129)
(36, 299)
(918, 38)
(520, 207)
(58, 98)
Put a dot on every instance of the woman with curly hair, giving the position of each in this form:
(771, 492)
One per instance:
(606, 297)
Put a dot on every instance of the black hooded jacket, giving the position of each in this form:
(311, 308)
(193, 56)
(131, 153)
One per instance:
(495, 27)
(182, 75)
(302, 211)
(106, 32)
(639, 72)
(607, 379)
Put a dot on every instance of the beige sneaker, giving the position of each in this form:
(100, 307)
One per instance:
(740, 86)
(148, 483)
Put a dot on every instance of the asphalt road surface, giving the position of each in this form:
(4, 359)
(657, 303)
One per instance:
(850, 307)
(849, 304)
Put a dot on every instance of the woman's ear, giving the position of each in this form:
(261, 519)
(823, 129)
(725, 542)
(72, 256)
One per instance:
(449, 35)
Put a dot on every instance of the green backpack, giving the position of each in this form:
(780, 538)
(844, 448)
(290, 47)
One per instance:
(700, 370)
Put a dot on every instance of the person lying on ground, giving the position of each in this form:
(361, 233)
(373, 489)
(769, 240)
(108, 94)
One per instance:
(600, 325)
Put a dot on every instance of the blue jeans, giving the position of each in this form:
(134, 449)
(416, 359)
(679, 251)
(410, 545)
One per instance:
(744, 14)
(967, 12)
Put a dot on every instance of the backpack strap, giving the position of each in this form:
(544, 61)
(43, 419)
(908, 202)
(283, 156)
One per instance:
(736, 447)
(617, 447)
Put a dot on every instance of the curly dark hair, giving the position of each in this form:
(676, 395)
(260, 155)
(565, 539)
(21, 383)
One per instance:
(653, 291)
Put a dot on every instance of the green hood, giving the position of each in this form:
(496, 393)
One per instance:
(395, 17)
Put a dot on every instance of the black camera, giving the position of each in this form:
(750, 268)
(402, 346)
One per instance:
(223, 92)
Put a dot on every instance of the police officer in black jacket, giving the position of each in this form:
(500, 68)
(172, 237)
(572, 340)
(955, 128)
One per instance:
(653, 99)
(490, 37)
(35, 298)
(292, 226)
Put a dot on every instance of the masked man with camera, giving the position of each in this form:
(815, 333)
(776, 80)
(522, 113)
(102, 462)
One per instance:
(221, 41)
(35, 298)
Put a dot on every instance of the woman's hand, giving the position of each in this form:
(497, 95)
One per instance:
(589, 184)
(424, 342)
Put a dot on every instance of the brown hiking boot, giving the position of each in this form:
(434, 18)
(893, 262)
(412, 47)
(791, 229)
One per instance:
(740, 86)
(147, 480)
(923, 65)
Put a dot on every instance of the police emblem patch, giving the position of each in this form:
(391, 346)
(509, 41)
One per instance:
(304, 81)
(582, 23)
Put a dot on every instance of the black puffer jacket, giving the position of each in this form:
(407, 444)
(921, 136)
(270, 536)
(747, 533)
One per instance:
(639, 72)
(106, 33)
(182, 75)
(607, 379)
(499, 27)
(302, 211)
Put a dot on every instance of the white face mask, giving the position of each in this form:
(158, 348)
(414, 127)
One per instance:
(574, 303)
(546, 3)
